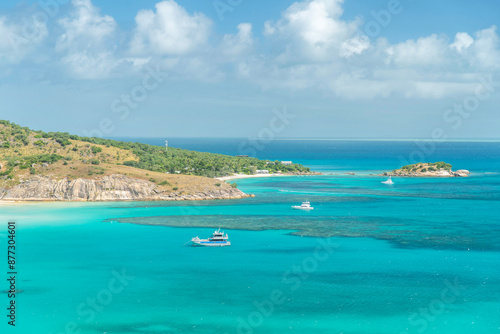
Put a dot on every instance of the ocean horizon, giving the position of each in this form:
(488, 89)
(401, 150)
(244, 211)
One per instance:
(365, 139)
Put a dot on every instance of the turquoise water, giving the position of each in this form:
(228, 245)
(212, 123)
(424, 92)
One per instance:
(421, 256)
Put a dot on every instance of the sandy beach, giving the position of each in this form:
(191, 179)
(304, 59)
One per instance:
(245, 176)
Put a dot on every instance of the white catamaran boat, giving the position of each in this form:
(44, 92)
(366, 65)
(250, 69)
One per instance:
(218, 239)
(389, 181)
(303, 206)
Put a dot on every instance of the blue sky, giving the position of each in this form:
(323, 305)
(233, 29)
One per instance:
(341, 69)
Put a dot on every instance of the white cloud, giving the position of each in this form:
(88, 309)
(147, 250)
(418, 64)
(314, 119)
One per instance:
(311, 47)
(169, 31)
(487, 49)
(240, 44)
(87, 41)
(85, 27)
(462, 41)
(320, 50)
(354, 46)
(19, 37)
(424, 51)
(313, 31)
(85, 65)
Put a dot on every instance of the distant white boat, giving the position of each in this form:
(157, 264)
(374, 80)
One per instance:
(303, 206)
(389, 181)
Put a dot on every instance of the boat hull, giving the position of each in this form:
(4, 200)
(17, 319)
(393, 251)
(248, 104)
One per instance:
(302, 208)
(202, 243)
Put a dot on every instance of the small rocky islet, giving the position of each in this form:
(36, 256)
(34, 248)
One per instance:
(428, 169)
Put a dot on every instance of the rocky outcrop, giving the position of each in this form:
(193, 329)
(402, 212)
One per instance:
(108, 188)
(427, 170)
(406, 173)
(461, 173)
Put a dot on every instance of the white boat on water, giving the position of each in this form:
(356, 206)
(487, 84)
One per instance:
(218, 239)
(303, 206)
(389, 181)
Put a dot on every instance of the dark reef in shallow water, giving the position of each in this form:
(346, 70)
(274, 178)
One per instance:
(402, 233)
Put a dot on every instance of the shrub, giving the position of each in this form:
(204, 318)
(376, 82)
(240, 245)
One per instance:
(96, 149)
(442, 165)
(234, 185)
(39, 143)
(36, 159)
(7, 172)
(175, 188)
(218, 184)
(95, 162)
(63, 141)
(131, 163)
(164, 183)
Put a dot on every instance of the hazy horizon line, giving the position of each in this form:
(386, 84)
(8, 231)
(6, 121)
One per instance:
(321, 138)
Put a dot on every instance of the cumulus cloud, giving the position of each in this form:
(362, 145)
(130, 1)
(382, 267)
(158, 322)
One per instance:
(354, 46)
(87, 41)
(462, 41)
(486, 49)
(171, 30)
(20, 36)
(424, 51)
(313, 31)
(240, 44)
(85, 26)
(318, 49)
(312, 47)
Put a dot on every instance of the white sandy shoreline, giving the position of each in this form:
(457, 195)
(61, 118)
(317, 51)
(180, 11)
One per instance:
(245, 176)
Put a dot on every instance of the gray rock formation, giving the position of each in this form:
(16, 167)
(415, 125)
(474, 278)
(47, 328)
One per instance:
(461, 173)
(108, 188)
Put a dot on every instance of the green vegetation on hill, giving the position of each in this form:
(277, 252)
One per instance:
(22, 147)
(428, 166)
(424, 169)
(156, 158)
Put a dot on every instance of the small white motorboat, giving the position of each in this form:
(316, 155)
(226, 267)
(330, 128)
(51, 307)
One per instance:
(218, 239)
(388, 181)
(303, 206)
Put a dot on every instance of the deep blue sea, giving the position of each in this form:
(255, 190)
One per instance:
(420, 256)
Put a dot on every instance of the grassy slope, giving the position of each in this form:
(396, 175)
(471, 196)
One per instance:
(72, 156)
(73, 164)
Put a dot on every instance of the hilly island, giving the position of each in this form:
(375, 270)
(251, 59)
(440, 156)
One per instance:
(56, 166)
